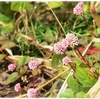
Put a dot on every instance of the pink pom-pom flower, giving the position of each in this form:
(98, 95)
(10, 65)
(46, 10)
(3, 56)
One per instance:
(92, 69)
(58, 48)
(32, 64)
(65, 44)
(11, 67)
(78, 10)
(17, 87)
(66, 60)
(80, 4)
(32, 93)
(72, 39)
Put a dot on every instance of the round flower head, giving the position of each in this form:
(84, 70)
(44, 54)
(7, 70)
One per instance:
(17, 87)
(72, 39)
(65, 44)
(80, 4)
(92, 69)
(66, 60)
(58, 48)
(11, 67)
(31, 93)
(32, 64)
(78, 10)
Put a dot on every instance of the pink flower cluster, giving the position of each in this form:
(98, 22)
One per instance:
(60, 47)
(70, 40)
(66, 60)
(17, 87)
(31, 93)
(32, 64)
(11, 67)
(78, 10)
(92, 69)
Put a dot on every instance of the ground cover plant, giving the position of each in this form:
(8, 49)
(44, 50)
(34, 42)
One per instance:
(49, 49)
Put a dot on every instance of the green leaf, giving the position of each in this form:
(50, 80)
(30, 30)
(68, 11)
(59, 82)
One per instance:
(19, 6)
(48, 36)
(22, 61)
(4, 18)
(97, 32)
(2, 56)
(8, 45)
(23, 69)
(73, 84)
(57, 84)
(7, 28)
(81, 95)
(78, 62)
(12, 77)
(35, 72)
(67, 94)
(57, 60)
(55, 4)
(83, 76)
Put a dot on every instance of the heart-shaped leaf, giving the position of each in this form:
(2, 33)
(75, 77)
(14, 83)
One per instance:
(22, 61)
(12, 77)
(73, 84)
(23, 69)
(57, 60)
(83, 76)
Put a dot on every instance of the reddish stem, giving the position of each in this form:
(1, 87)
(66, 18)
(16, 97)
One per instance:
(91, 31)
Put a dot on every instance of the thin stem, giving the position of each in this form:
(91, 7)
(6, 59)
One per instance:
(81, 57)
(87, 48)
(85, 60)
(72, 67)
(34, 37)
(57, 19)
(34, 34)
(88, 26)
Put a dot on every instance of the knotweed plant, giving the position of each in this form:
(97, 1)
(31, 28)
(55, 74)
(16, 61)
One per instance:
(84, 74)
(32, 64)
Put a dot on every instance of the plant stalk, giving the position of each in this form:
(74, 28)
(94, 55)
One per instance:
(57, 19)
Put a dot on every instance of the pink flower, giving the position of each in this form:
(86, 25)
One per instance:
(72, 39)
(80, 4)
(65, 44)
(31, 93)
(17, 87)
(32, 64)
(11, 67)
(92, 69)
(58, 48)
(78, 10)
(66, 60)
